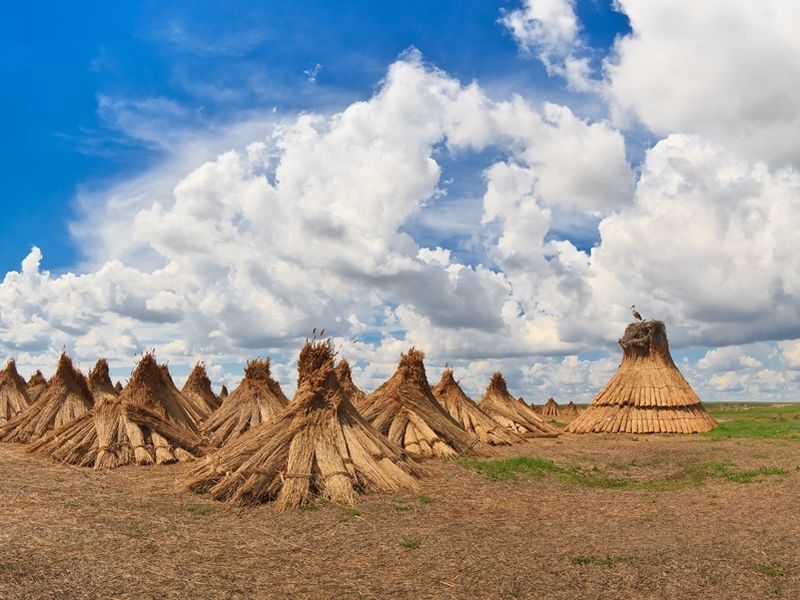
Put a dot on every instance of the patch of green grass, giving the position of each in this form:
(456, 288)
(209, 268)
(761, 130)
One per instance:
(199, 509)
(309, 506)
(757, 421)
(773, 568)
(225, 576)
(411, 543)
(423, 499)
(752, 474)
(593, 477)
(608, 561)
(352, 511)
(400, 507)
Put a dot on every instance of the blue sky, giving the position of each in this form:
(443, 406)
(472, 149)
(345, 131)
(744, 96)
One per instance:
(493, 181)
(59, 61)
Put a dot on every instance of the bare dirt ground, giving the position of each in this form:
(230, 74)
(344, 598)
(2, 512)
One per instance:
(132, 533)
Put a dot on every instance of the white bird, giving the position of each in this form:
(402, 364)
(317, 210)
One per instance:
(635, 312)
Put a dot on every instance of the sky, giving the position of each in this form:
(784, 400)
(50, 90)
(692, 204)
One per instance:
(494, 182)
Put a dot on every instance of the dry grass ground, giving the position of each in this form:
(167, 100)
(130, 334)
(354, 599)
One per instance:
(590, 517)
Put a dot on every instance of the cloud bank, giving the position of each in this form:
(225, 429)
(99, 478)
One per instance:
(243, 244)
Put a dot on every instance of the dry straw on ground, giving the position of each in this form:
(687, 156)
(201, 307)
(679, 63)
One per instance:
(197, 390)
(257, 400)
(345, 376)
(319, 446)
(405, 410)
(647, 394)
(67, 397)
(36, 385)
(14, 396)
(464, 410)
(550, 409)
(512, 412)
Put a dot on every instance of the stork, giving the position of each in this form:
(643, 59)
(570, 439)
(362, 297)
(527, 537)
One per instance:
(636, 314)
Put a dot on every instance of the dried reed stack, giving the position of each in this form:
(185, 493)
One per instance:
(345, 376)
(550, 409)
(647, 394)
(77, 442)
(223, 393)
(159, 421)
(197, 390)
(118, 388)
(405, 410)
(258, 399)
(106, 438)
(67, 397)
(197, 409)
(464, 410)
(37, 384)
(319, 446)
(571, 410)
(14, 396)
(512, 412)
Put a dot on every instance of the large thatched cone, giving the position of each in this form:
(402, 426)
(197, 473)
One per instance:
(512, 412)
(36, 386)
(14, 396)
(106, 438)
(319, 446)
(257, 400)
(197, 390)
(345, 376)
(647, 394)
(550, 409)
(405, 410)
(462, 408)
(570, 410)
(67, 397)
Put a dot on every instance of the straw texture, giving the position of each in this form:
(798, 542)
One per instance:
(66, 398)
(197, 391)
(464, 410)
(405, 410)
(13, 393)
(647, 394)
(37, 384)
(345, 377)
(106, 438)
(512, 412)
(319, 446)
(257, 400)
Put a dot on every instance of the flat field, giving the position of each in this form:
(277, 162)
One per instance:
(592, 516)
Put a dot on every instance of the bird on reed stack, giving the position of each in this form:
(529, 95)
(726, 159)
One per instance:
(636, 314)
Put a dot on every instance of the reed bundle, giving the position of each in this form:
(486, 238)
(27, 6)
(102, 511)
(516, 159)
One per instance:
(318, 446)
(512, 412)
